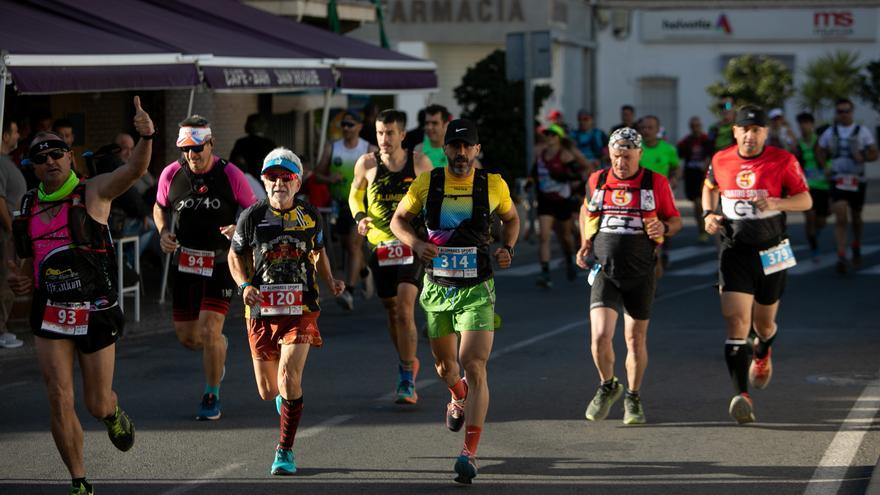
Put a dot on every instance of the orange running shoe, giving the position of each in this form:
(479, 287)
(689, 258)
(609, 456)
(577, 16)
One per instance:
(761, 371)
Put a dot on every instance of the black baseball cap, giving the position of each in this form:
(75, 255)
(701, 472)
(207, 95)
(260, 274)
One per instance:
(461, 130)
(352, 116)
(750, 115)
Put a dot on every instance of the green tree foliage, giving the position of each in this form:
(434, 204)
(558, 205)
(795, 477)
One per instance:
(755, 80)
(829, 77)
(496, 106)
(870, 85)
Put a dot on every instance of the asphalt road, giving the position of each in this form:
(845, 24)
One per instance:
(816, 432)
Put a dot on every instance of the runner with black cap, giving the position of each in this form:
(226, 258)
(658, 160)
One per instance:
(756, 185)
(630, 213)
(459, 290)
(69, 263)
(384, 177)
(197, 202)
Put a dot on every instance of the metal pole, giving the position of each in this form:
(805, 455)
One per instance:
(3, 71)
(192, 97)
(530, 99)
(325, 123)
(167, 267)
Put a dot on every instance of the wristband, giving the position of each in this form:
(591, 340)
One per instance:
(509, 249)
(359, 216)
(150, 137)
(243, 286)
(707, 213)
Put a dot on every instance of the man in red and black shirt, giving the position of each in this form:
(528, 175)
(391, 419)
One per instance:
(630, 212)
(756, 184)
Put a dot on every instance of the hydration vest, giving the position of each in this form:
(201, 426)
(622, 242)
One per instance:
(596, 206)
(205, 202)
(472, 232)
(835, 141)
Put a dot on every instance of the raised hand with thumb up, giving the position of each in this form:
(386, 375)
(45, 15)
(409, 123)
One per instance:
(142, 122)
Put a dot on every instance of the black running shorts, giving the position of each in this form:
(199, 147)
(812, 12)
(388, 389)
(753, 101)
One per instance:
(855, 199)
(740, 271)
(636, 295)
(387, 278)
(105, 327)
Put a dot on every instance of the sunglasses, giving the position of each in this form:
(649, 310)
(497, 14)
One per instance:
(284, 176)
(844, 110)
(196, 149)
(347, 125)
(44, 157)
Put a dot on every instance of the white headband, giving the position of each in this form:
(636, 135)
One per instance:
(193, 136)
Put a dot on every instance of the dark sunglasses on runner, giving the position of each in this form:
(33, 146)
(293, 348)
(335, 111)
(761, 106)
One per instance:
(347, 125)
(197, 149)
(42, 158)
(284, 176)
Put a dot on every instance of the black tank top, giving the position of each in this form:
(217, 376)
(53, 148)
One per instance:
(203, 203)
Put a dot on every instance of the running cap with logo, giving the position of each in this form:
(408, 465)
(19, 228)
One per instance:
(193, 136)
(49, 144)
(625, 138)
(750, 115)
(462, 130)
(283, 158)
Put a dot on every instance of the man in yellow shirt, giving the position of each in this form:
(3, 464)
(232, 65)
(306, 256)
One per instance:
(459, 290)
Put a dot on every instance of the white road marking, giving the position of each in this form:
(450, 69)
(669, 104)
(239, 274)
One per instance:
(187, 486)
(828, 260)
(843, 448)
(874, 270)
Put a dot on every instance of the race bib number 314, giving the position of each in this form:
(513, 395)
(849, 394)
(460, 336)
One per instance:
(196, 261)
(66, 318)
(281, 299)
(456, 262)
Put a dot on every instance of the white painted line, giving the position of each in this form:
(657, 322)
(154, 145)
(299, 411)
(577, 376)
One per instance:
(320, 427)
(828, 260)
(874, 270)
(843, 448)
(187, 486)
(526, 270)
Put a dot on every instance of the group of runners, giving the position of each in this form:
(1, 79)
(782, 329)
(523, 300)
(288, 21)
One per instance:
(427, 220)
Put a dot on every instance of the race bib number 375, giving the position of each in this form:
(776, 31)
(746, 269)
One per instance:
(196, 261)
(281, 299)
(66, 318)
(456, 262)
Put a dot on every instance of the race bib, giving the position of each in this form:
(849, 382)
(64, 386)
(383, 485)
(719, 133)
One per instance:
(394, 253)
(66, 318)
(196, 261)
(281, 299)
(779, 257)
(456, 262)
(847, 182)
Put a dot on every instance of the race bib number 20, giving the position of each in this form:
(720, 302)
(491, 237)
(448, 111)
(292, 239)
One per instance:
(394, 253)
(456, 262)
(66, 318)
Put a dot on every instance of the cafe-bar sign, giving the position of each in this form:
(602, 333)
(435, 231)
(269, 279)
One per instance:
(823, 24)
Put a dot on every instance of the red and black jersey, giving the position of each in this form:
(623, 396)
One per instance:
(620, 243)
(774, 173)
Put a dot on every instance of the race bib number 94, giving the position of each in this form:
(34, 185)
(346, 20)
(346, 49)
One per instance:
(281, 299)
(394, 253)
(777, 258)
(456, 262)
(66, 318)
(196, 261)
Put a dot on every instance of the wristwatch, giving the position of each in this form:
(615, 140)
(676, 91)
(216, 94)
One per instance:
(151, 136)
(509, 249)
(242, 287)
(707, 213)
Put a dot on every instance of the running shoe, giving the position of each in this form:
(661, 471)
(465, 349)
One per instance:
(120, 429)
(455, 414)
(466, 469)
(284, 463)
(856, 258)
(543, 281)
(633, 413)
(741, 409)
(367, 281)
(10, 341)
(761, 370)
(406, 386)
(209, 409)
(81, 489)
(345, 300)
(605, 397)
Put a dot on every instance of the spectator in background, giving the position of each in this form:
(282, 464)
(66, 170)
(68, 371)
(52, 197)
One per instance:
(556, 117)
(695, 151)
(126, 144)
(627, 118)
(368, 129)
(146, 184)
(779, 133)
(12, 189)
(415, 136)
(64, 128)
(39, 122)
(249, 151)
(721, 132)
(590, 140)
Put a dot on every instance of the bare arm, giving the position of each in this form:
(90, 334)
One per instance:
(509, 235)
(799, 202)
(109, 186)
(5, 219)
(356, 194)
(322, 265)
(709, 201)
(403, 230)
(423, 164)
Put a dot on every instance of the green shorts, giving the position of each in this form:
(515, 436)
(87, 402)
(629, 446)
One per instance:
(458, 309)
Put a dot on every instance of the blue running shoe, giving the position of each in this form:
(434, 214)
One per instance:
(284, 464)
(466, 468)
(209, 409)
(278, 400)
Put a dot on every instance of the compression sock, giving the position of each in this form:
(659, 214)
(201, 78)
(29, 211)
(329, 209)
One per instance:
(459, 390)
(737, 354)
(213, 389)
(763, 346)
(471, 440)
(291, 412)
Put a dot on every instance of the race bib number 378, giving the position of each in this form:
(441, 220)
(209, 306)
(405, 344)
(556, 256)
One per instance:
(196, 261)
(66, 318)
(456, 262)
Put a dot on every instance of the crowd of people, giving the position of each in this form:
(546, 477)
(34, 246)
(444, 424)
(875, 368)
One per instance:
(419, 219)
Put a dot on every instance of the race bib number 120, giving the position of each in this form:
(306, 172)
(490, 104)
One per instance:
(778, 258)
(281, 299)
(394, 253)
(66, 318)
(456, 262)
(196, 261)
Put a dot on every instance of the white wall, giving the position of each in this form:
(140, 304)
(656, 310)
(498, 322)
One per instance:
(697, 64)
